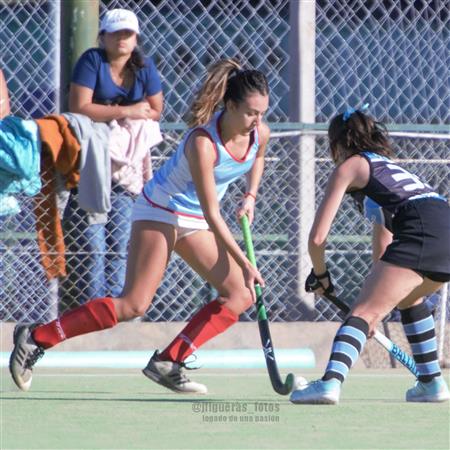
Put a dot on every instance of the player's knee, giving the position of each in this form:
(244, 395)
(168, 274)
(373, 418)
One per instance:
(240, 302)
(247, 300)
(372, 318)
(129, 309)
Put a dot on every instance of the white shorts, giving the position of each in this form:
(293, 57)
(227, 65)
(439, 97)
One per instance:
(143, 210)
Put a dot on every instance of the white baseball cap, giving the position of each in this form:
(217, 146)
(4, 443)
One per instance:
(119, 19)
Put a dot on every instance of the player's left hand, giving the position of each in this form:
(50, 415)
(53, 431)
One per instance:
(319, 284)
(246, 208)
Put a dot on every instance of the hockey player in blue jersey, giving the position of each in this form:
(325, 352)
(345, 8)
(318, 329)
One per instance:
(179, 211)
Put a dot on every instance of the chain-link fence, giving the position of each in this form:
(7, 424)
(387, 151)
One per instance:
(29, 51)
(28, 58)
(391, 54)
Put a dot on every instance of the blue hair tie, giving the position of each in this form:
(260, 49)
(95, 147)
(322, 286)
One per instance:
(349, 111)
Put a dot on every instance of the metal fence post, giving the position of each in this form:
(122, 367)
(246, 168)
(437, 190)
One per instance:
(79, 30)
(302, 109)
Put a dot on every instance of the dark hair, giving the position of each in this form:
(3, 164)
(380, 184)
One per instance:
(357, 134)
(136, 61)
(225, 81)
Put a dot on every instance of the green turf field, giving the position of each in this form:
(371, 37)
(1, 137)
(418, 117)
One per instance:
(112, 409)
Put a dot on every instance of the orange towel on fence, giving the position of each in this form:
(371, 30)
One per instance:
(60, 153)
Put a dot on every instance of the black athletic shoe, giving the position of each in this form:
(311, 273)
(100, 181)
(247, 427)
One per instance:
(24, 356)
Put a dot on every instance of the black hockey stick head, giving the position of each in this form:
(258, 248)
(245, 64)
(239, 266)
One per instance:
(280, 387)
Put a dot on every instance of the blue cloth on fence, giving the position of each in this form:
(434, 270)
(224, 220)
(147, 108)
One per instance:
(20, 151)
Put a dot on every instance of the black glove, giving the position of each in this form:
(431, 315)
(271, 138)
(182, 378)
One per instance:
(313, 282)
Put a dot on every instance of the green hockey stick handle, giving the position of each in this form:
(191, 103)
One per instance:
(249, 248)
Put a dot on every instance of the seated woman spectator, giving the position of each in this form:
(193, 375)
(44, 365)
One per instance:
(4, 97)
(109, 83)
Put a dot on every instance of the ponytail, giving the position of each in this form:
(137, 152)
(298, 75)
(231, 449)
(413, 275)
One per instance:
(212, 91)
(357, 133)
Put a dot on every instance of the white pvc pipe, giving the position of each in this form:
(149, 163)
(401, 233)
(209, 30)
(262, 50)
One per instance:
(405, 161)
(410, 134)
(306, 22)
(57, 55)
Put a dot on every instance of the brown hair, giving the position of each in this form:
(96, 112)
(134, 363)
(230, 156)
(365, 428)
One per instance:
(357, 134)
(225, 81)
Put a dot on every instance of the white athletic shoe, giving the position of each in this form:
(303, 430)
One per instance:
(170, 375)
(318, 393)
(434, 391)
(24, 356)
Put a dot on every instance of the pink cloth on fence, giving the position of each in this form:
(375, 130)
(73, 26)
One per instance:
(129, 146)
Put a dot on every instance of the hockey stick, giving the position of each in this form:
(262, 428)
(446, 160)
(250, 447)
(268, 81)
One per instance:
(263, 323)
(393, 349)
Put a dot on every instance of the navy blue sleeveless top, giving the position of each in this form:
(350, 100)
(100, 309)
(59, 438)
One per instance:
(391, 186)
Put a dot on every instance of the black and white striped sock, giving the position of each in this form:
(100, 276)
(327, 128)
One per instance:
(418, 324)
(347, 346)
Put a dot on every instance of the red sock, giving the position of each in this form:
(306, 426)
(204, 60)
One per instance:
(94, 315)
(211, 320)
